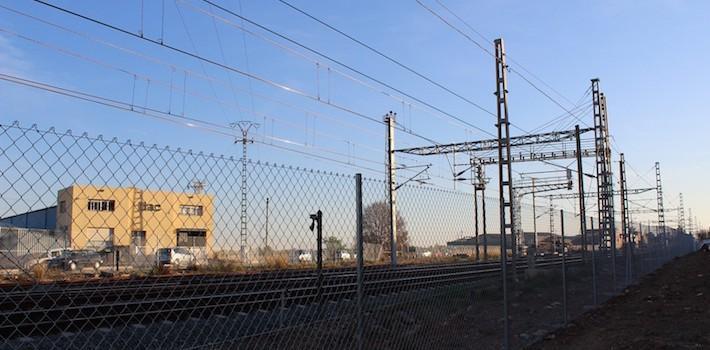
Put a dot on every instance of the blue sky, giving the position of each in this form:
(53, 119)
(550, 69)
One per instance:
(649, 56)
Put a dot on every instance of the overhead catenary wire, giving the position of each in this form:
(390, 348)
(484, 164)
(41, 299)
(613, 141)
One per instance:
(342, 64)
(267, 81)
(189, 122)
(181, 120)
(318, 64)
(171, 86)
(380, 53)
(191, 73)
(513, 70)
(510, 59)
(387, 57)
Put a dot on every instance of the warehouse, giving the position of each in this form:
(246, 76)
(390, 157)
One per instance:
(134, 220)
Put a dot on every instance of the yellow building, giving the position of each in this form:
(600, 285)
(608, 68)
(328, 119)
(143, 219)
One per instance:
(134, 220)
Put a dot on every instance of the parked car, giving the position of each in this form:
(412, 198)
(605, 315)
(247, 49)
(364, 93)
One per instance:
(705, 245)
(305, 257)
(51, 254)
(177, 257)
(75, 260)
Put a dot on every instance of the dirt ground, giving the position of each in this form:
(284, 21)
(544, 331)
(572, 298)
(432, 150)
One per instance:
(669, 309)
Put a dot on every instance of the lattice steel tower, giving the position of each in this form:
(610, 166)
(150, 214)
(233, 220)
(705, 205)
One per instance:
(659, 198)
(505, 178)
(681, 214)
(244, 126)
(605, 183)
(625, 222)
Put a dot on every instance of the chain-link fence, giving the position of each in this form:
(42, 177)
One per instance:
(110, 244)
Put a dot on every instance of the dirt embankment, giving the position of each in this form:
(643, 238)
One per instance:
(669, 309)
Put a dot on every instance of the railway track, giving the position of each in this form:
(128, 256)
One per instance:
(45, 309)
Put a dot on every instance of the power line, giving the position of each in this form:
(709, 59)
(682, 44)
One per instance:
(318, 64)
(185, 121)
(226, 67)
(383, 55)
(476, 43)
(359, 72)
(174, 67)
(508, 57)
(173, 87)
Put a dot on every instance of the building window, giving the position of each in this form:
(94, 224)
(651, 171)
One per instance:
(191, 238)
(149, 207)
(195, 210)
(63, 207)
(102, 204)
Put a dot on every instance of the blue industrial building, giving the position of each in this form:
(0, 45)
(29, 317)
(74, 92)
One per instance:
(45, 219)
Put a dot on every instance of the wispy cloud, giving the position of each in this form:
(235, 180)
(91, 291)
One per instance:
(12, 59)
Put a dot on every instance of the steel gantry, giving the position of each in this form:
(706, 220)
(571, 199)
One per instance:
(594, 194)
(558, 145)
(532, 186)
(492, 144)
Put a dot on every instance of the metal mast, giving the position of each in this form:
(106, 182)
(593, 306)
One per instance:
(244, 126)
(479, 185)
(505, 181)
(580, 189)
(605, 183)
(691, 228)
(681, 214)
(661, 212)
(552, 218)
(625, 228)
(534, 214)
(389, 119)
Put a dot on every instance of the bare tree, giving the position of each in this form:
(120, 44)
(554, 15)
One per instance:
(376, 226)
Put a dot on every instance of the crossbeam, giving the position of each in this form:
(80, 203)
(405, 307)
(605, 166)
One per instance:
(492, 144)
(536, 156)
(594, 194)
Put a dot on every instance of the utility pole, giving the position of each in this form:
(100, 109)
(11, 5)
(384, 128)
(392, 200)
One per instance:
(244, 126)
(580, 189)
(475, 212)
(681, 214)
(605, 183)
(691, 228)
(505, 180)
(625, 229)
(389, 119)
(661, 213)
(480, 186)
(534, 214)
(552, 219)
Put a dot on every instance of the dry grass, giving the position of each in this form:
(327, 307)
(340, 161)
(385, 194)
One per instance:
(276, 261)
(42, 272)
(222, 266)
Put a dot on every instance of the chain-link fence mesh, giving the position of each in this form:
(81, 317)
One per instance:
(111, 244)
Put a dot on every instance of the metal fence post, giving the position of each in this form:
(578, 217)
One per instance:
(317, 220)
(360, 263)
(564, 268)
